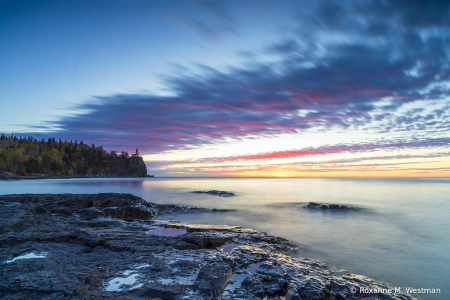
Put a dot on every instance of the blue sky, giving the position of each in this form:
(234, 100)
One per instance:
(57, 53)
(235, 88)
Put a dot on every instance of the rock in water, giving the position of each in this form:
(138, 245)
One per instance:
(315, 205)
(216, 193)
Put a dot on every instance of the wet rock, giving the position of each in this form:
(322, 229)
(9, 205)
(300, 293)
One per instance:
(185, 266)
(206, 239)
(137, 212)
(112, 212)
(213, 278)
(38, 276)
(62, 210)
(292, 293)
(198, 227)
(273, 282)
(18, 224)
(254, 286)
(90, 213)
(311, 288)
(37, 209)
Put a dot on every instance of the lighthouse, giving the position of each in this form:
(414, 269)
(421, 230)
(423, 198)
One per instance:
(135, 154)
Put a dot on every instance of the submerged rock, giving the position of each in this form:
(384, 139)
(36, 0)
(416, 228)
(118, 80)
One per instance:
(216, 193)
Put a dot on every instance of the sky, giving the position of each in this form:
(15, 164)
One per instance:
(272, 88)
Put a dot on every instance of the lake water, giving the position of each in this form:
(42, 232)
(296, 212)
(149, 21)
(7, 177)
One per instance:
(401, 235)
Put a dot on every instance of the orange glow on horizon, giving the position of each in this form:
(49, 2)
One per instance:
(338, 174)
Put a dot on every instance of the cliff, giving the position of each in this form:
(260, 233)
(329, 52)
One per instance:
(29, 158)
(135, 167)
(125, 167)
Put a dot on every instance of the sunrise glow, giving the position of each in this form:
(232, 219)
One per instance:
(275, 88)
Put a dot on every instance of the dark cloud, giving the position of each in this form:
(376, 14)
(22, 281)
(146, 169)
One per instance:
(336, 66)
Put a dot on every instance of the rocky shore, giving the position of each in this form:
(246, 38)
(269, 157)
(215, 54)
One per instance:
(112, 246)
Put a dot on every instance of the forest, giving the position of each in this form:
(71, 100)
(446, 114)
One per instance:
(23, 156)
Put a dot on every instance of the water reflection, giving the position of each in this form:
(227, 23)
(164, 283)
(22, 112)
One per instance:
(167, 231)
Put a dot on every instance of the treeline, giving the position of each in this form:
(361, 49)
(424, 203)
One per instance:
(27, 155)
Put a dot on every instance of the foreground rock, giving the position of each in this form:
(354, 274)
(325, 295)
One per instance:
(216, 193)
(212, 279)
(61, 247)
(315, 205)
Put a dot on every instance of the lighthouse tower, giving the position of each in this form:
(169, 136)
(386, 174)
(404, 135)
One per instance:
(135, 154)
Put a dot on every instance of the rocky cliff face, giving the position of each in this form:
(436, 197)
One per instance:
(135, 167)
(122, 167)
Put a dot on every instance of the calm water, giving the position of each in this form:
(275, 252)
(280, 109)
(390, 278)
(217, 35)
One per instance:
(401, 236)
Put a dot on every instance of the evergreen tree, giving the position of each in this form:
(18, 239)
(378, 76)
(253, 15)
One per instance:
(28, 155)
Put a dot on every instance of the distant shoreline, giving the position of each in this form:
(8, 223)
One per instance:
(32, 176)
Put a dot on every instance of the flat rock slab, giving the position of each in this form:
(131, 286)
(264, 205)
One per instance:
(198, 227)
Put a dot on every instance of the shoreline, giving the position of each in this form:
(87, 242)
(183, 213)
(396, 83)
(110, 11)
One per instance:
(113, 246)
(33, 176)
